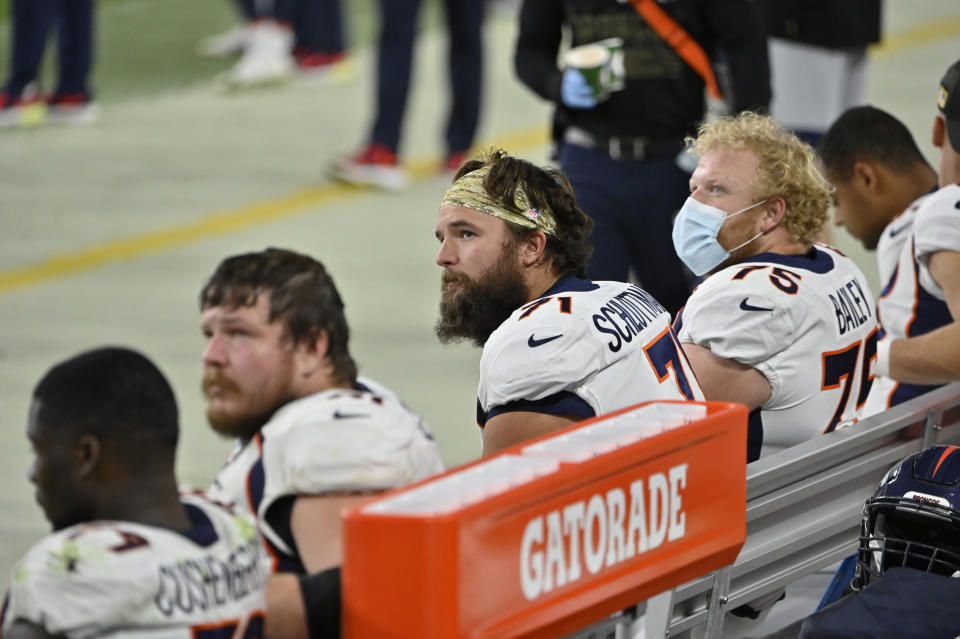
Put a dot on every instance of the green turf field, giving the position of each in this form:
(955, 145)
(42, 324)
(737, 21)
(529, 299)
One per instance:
(148, 46)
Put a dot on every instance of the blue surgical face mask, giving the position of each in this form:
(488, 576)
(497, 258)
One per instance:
(695, 235)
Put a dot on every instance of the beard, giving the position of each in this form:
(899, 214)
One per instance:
(242, 423)
(472, 310)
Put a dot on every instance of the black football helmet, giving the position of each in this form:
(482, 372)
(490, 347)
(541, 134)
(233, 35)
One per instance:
(913, 518)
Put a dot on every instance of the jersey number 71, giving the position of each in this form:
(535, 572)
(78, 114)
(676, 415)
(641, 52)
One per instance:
(663, 353)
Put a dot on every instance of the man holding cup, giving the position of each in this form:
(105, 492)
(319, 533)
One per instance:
(622, 115)
(596, 70)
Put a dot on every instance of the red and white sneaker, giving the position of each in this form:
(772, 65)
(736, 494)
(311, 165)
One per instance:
(23, 110)
(376, 165)
(228, 43)
(454, 161)
(266, 59)
(72, 109)
(320, 67)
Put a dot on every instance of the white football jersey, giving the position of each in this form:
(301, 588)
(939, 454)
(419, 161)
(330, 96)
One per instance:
(911, 302)
(125, 580)
(892, 241)
(335, 441)
(583, 349)
(806, 322)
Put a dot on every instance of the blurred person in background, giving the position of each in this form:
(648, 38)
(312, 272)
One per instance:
(279, 38)
(623, 151)
(377, 163)
(818, 59)
(22, 101)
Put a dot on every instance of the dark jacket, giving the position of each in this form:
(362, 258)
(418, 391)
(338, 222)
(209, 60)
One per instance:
(903, 603)
(664, 96)
(833, 24)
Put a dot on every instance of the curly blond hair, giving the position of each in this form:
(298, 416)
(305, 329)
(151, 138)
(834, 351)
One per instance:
(786, 166)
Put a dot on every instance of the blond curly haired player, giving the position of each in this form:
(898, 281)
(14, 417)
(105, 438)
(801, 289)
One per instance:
(783, 325)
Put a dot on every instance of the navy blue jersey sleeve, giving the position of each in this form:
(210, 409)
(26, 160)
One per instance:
(564, 404)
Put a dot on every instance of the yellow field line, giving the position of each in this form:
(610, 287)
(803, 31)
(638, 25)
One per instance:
(920, 35)
(136, 246)
(66, 264)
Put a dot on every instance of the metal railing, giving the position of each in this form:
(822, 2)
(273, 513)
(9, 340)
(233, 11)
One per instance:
(803, 512)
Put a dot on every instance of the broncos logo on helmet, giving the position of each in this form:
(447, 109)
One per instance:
(913, 518)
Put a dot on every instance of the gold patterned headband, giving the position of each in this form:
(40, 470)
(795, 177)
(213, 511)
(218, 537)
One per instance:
(469, 193)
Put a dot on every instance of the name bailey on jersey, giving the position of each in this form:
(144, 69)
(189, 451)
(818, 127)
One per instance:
(626, 315)
(211, 581)
(851, 306)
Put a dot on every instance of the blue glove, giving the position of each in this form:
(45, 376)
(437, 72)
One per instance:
(575, 92)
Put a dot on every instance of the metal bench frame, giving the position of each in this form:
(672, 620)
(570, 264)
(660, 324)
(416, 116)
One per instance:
(803, 512)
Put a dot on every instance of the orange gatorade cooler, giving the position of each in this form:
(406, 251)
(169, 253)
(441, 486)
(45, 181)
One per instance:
(555, 533)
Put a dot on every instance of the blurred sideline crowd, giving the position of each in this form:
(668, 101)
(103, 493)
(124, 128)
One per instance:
(676, 249)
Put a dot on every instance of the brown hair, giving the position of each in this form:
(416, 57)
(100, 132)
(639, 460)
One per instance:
(569, 252)
(302, 296)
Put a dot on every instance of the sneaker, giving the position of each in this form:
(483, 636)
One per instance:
(228, 43)
(324, 68)
(72, 109)
(27, 109)
(265, 60)
(375, 165)
(454, 161)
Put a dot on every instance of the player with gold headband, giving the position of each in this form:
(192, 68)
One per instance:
(557, 348)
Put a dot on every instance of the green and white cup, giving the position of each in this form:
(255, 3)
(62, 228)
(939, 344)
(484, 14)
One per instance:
(616, 71)
(593, 61)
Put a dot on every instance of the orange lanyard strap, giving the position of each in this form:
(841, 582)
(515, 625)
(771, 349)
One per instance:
(685, 46)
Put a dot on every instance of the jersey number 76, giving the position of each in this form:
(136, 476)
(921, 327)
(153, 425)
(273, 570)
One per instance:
(840, 367)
